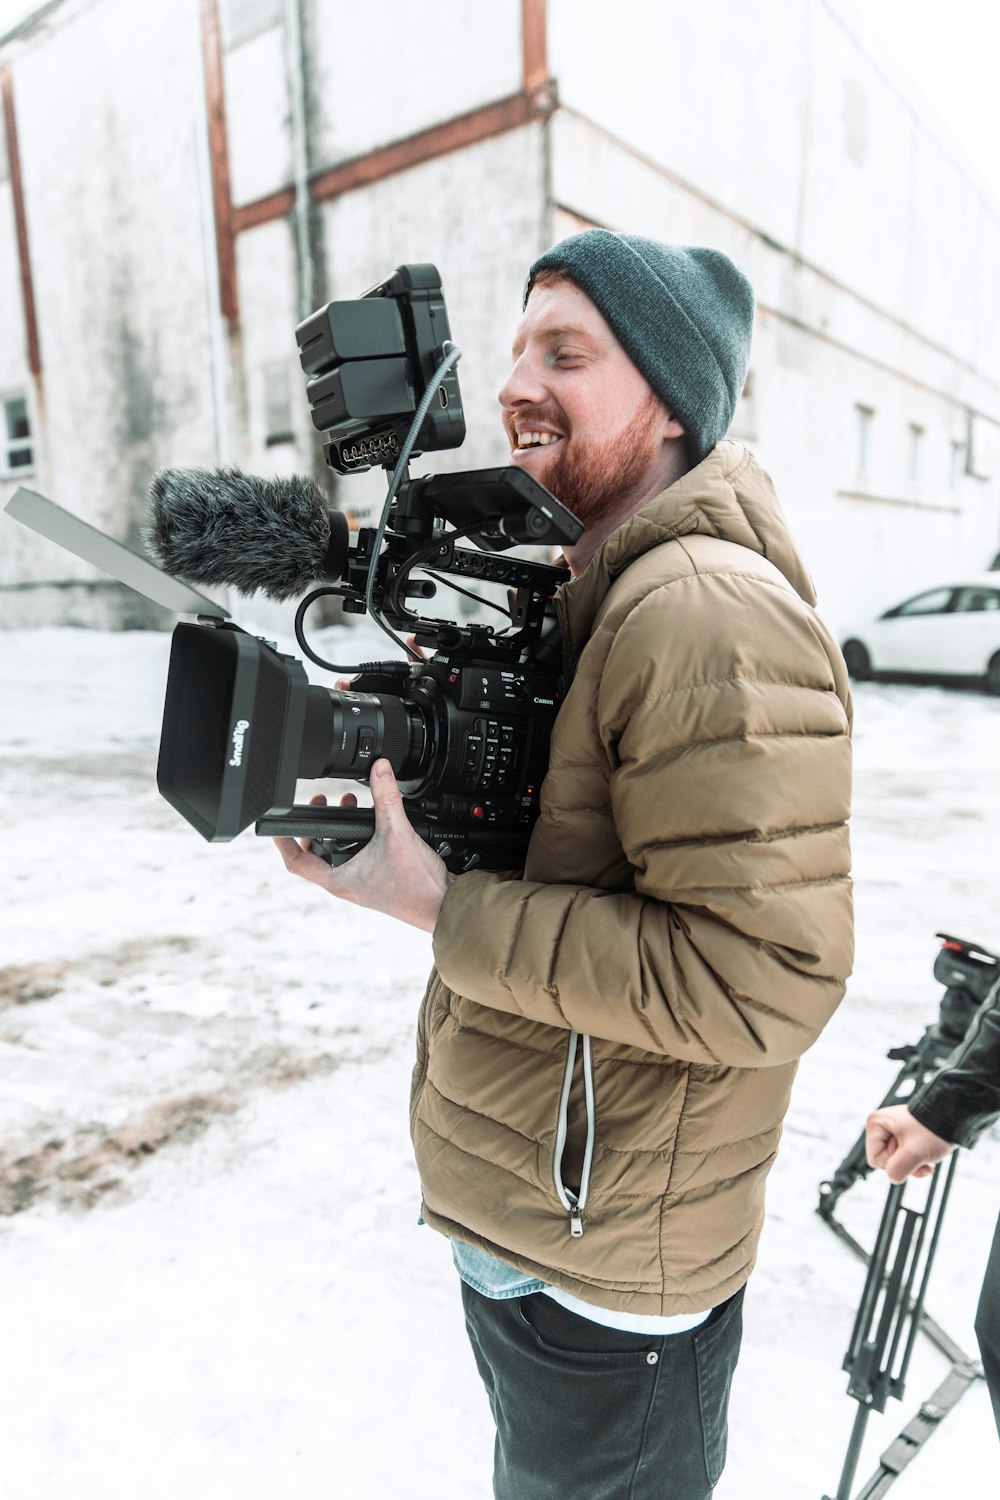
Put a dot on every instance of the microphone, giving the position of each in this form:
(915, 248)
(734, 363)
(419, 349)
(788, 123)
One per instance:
(221, 526)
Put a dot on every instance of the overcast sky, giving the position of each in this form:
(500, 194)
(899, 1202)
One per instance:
(949, 50)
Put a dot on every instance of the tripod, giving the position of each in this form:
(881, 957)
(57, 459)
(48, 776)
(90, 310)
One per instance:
(891, 1311)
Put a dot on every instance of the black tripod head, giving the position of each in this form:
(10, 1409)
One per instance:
(968, 973)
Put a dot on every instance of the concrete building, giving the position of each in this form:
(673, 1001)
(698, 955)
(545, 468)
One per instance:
(181, 183)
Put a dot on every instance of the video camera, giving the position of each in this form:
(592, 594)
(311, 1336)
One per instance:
(466, 731)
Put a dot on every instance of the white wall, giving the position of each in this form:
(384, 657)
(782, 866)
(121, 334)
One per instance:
(115, 188)
(770, 132)
(105, 110)
(765, 129)
(388, 70)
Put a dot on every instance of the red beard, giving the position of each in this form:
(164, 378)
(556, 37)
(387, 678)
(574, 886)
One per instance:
(595, 478)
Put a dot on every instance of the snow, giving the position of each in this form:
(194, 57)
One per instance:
(214, 1279)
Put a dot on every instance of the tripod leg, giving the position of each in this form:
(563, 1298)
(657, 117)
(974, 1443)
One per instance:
(849, 1470)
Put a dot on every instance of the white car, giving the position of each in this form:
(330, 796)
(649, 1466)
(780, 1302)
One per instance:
(949, 631)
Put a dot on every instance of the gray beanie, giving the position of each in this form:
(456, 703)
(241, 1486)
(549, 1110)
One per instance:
(683, 315)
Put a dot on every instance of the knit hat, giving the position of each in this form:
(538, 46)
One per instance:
(683, 314)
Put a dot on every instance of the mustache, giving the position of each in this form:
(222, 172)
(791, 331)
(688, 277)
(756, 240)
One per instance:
(549, 415)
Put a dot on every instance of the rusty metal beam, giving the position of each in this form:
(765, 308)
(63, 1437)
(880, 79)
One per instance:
(222, 196)
(263, 210)
(425, 145)
(20, 225)
(534, 44)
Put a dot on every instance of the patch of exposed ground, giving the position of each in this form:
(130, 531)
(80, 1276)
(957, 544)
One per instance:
(23, 984)
(79, 1169)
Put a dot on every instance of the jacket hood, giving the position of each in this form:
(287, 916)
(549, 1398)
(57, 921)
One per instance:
(729, 496)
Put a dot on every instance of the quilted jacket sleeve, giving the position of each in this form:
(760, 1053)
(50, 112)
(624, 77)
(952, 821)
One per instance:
(727, 760)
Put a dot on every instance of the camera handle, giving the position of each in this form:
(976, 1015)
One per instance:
(338, 833)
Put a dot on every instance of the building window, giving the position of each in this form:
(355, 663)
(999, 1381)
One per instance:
(866, 417)
(916, 443)
(978, 457)
(18, 455)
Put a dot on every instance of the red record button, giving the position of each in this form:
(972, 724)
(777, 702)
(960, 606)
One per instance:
(479, 812)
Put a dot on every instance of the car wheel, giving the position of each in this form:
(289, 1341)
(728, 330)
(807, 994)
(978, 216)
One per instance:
(993, 675)
(859, 663)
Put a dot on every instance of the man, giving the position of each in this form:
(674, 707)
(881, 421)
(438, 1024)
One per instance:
(608, 1041)
(952, 1109)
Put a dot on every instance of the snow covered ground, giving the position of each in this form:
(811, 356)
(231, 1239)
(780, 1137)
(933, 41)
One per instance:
(213, 1279)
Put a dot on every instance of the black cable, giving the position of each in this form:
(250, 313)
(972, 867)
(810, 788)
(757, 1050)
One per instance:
(457, 588)
(452, 354)
(401, 668)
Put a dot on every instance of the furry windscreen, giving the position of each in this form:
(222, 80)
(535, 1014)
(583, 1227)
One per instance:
(221, 526)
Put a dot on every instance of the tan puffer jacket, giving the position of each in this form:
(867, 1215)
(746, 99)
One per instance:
(607, 1044)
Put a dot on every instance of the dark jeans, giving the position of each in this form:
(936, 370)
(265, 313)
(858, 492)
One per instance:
(585, 1412)
(988, 1324)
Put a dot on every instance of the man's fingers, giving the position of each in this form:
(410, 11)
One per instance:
(386, 796)
(395, 873)
(317, 800)
(292, 853)
(296, 853)
(299, 860)
(879, 1142)
(891, 1151)
(883, 1150)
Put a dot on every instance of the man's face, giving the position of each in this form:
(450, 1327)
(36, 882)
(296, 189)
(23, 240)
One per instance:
(580, 417)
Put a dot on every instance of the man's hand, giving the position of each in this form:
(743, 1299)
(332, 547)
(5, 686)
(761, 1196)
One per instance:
(897, 1142)
(396, 872)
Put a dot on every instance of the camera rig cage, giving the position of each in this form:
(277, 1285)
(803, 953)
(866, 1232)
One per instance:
(465, 731)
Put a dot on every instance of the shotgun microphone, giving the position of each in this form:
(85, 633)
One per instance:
(221, 526)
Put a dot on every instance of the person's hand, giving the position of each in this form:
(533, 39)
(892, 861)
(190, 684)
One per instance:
(395, 872)
(897, 1142)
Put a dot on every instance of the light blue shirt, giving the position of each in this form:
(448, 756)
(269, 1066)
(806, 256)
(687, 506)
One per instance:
(489, 1276)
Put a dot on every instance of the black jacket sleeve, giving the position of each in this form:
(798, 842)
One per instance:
(961, 1101)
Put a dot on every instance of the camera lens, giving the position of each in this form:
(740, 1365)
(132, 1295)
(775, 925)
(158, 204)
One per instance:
(345, 733)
